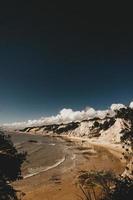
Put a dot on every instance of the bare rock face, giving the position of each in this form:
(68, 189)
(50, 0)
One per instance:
(107, 129)
(113, 133)
(114, 130)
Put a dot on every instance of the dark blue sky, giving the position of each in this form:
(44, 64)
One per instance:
(53, 57)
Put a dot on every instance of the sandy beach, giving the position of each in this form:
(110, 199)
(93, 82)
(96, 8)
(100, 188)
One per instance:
(115, 149)
(60, 181)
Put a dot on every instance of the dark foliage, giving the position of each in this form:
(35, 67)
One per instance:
(109, 186)
(127, 133)
(55, 128)
(113, 188)
(125, 113)
(123, 190)
(104, 126)
(127, 138)
(107, 124)
(94, 119)
(24, 129)
(94, 181)
(52, 127)
(10, 167)
(68, 127)
(96, 124)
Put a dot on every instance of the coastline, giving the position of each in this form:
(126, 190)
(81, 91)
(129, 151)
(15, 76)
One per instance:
(115, 149)
(60, 181)
(45, 169)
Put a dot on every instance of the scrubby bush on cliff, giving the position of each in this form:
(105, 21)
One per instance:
(127, 140)
(112, 187)
(125, 113)
(103, 126)
(68, 127)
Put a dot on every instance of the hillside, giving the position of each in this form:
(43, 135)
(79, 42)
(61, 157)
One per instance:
(107, 129)
(115, 132)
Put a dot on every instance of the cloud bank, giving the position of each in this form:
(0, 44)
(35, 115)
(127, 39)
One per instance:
(69, 115)
(117, 106)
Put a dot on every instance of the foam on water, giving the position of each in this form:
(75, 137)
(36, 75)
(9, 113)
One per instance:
(41, 169)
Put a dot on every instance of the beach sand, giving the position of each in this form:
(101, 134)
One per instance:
(60, 182)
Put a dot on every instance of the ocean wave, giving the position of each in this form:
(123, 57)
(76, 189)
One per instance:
(52, 144)
(42, 169)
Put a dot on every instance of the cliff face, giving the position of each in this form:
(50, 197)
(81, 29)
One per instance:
(113, 133)
(108, 129)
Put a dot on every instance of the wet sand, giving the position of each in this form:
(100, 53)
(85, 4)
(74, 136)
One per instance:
(59, 182)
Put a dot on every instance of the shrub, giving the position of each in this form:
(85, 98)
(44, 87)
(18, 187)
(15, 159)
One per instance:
(10, 167)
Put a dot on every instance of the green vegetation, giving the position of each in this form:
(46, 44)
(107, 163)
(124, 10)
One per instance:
(104, 185)
(104, 126)
(127, 140)
(10, 168)
(54, 127)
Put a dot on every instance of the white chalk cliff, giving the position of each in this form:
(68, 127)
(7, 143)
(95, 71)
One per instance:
(107, 130)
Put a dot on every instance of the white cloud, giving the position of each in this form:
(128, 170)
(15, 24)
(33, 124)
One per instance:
(117, 106)
(64, 116)
(69, 115)
(131, 105)
(90, 112)
(102, 113)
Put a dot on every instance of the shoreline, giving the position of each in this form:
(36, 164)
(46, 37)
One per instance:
(45, 169)
(61, 181)
(115, 149)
